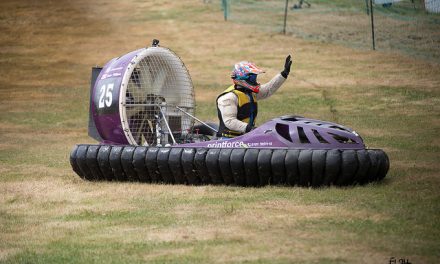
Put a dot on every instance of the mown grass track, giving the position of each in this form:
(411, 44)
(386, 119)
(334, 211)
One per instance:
(49, 215)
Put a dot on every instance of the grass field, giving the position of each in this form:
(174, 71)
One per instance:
(49, 215)
(405, 27)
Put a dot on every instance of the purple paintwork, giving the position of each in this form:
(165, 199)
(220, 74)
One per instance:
(285, 133)
(107, 120)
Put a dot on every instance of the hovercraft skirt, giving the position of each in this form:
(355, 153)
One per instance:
(241, 167)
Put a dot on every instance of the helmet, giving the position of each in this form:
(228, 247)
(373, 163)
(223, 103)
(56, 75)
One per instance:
(245, 75)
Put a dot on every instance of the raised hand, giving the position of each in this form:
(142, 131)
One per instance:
(287, 65)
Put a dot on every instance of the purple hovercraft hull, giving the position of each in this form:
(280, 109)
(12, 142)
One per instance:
(291, 132)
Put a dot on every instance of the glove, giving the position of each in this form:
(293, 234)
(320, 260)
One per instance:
(249, 128)
(287, 65)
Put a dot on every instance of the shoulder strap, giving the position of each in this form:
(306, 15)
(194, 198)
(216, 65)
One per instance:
(228, 90)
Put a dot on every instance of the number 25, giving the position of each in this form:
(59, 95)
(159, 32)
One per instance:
(105, 95)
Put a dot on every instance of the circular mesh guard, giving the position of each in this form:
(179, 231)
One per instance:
(159, 82)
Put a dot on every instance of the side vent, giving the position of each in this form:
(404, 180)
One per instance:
(302, 136)
(339, 128)
(342, 139)
(289, 118)
(319, 137)
(283, 130)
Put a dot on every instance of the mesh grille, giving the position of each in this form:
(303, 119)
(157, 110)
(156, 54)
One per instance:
(158, 83)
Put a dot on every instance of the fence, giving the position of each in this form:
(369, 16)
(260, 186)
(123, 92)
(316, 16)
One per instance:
(401, 26)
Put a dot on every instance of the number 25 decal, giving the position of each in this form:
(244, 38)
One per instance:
(105, 95)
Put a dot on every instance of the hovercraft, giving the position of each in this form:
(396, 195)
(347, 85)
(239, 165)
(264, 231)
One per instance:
(142, 114)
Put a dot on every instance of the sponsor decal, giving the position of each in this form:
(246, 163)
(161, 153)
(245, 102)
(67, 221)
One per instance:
(105, 75)
(237, 144)
(115, 69)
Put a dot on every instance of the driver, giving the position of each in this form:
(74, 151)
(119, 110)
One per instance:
(237, 106)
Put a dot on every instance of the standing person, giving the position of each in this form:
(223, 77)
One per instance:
(299, 5)
(237, 106)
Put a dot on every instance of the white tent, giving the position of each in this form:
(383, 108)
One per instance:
(432, 6)
(380, 2)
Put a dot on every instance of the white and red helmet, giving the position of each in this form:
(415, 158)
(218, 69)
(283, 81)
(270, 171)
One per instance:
(245, 75)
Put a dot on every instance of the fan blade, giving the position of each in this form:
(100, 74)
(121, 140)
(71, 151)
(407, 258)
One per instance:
(159, 81)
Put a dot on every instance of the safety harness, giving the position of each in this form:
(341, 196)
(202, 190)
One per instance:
(247, 110)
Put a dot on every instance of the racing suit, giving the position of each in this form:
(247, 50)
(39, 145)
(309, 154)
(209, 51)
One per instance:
(237, 107)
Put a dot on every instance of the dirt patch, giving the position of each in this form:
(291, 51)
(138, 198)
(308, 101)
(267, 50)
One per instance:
(6, 253)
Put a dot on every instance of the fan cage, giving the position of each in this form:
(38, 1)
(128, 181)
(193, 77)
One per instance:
(155, 85)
